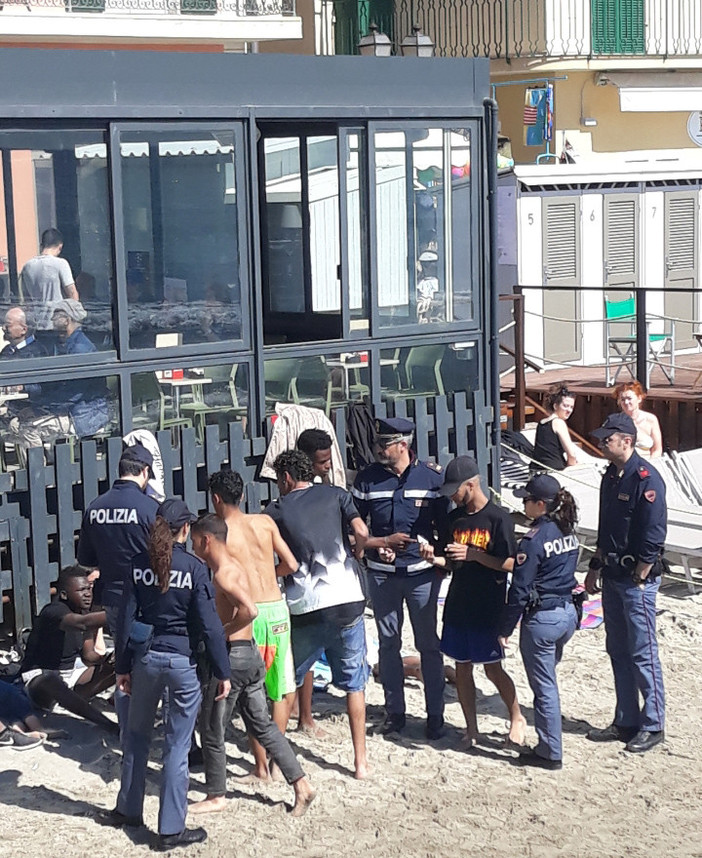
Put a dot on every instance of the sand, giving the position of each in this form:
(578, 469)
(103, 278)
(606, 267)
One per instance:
(423, 799)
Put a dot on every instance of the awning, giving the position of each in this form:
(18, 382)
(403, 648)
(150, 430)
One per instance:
(657, 92)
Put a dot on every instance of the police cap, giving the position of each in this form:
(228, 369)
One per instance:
(616, 422)
(176, 512)
(393, 428)
(139, 454)
(542, 487)
(459, 470)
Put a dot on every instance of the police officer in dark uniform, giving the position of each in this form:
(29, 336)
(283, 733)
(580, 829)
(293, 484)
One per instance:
(115, 528)
(400, 497)
(541, 594)
(168, 608)
(630, 541)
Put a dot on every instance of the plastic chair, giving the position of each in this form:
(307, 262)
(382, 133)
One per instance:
(147, 392)
(620, 346)
(218, 398)
(421, 371)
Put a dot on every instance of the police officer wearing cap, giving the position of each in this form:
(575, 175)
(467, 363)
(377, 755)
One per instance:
(115, 528)
(168, 607)
(399, 496)
(630, 542)
(541, 595)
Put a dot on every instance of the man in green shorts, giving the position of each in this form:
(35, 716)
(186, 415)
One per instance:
(253, 540)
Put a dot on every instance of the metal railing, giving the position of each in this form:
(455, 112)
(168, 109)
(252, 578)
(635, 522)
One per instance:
(505, 29)
(228, 8)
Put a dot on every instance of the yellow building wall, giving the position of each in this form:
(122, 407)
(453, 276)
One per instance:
(615, 131)
(306, 45)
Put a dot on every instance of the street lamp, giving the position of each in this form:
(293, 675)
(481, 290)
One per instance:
(375, 44)
(417, 45)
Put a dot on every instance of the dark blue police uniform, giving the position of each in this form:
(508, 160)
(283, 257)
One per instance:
(632, 528)
(406, 503)
(181, 617)
(541, 593)
(115, 528)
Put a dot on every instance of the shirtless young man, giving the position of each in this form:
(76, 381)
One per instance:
(253, 540)
(237, 612)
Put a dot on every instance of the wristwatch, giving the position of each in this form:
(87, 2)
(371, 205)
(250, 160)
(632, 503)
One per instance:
(595, 564)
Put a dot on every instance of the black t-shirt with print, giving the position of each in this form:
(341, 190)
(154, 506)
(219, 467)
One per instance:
(477, 594)
(49, 646)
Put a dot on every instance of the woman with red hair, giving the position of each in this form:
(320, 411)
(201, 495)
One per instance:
(649, 441)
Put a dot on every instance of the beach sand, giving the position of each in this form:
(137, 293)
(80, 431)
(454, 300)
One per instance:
(422, 799)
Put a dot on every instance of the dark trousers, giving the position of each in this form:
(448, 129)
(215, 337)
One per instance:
(249, 694)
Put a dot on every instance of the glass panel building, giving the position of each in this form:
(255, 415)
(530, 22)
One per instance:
(187, 240)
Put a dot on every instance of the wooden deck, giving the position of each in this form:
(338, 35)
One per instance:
(678, 406)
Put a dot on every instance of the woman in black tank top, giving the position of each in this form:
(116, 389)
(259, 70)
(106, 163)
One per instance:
(553, 446)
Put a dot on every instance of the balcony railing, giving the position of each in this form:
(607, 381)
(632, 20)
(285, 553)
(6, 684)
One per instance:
(505, 29)
(228, 8)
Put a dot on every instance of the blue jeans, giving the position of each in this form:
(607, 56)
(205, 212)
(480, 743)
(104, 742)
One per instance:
(345, 647)
(152, 674)
(421, 592)
(542, 638)
(630, 623)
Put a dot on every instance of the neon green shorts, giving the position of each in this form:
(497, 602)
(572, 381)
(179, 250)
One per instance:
(271, 631)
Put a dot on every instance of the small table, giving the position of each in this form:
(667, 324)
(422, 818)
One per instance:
(177, 384)
(12, 397)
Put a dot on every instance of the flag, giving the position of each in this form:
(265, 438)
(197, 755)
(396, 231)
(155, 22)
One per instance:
(535, 102)
(530, 115)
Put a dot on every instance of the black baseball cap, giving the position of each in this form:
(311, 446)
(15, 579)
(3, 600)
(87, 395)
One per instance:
(458, 470)
(139, 454)
(542, 487)
(616, 422)
(176, 512)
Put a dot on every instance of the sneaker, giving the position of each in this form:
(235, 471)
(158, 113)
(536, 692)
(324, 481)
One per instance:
(23, 742)
(115, 819)
(6, 738)
(435, 727)
(644, 740)
(166, 842)
(534, 761)
(613, 733)
(394, 724)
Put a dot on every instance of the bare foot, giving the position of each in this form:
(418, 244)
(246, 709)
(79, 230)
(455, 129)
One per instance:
(363, 770)
(252, 778)
(212, 804)
(517, 732)
(304, 796)
(468, 741)
(276, 775)
(312, 729)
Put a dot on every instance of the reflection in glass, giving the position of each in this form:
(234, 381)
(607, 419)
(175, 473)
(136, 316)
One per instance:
(317, 381)
(286, 278)
(428, 370)
(423, 204)
(180, 235)
(37, 413)
(358, 302)
(197, 397)
(56, 186)
(302, 252)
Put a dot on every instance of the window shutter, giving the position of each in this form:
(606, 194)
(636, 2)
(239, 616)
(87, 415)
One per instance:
(681, 235)
(618, 26)
(561, 258)
(631, 27)
(621, 236)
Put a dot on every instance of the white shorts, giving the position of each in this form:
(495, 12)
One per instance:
(70, 675)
